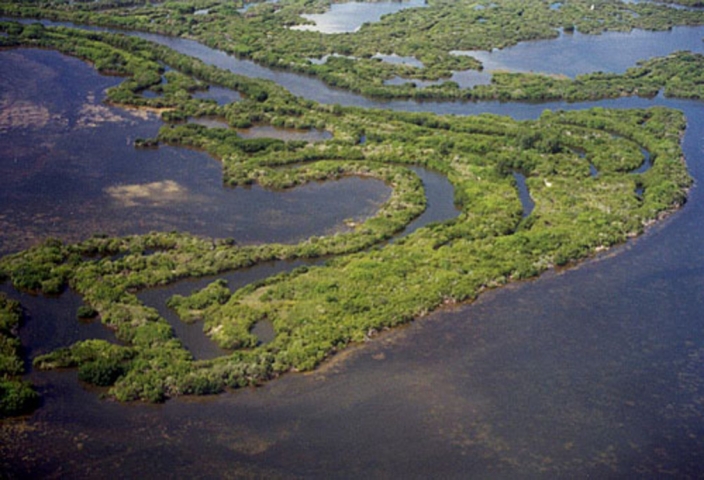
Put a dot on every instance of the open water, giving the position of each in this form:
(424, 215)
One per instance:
(70, 169)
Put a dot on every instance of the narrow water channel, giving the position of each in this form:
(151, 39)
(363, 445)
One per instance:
(440, 207)
(541, 52)
(523, 194)
(105, 184)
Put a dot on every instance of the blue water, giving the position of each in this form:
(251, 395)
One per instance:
(575, 54)
(71, 169)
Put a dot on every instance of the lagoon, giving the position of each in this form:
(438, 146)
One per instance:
(71, 170)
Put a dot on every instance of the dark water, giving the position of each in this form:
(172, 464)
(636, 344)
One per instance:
(51, 322)
(221, 95)
(593, 372)
(440, 207)
(50, 99)
(191, 335)
(523, 194)
(70, 169)
(313, 89)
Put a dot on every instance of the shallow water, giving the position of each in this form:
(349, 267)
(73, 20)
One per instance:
(399, 60)
(191, 335)
(64, 101)
(440, 207)
(71, 169)
(523, 194)
(222, 96)
(592, 372)
(51, 322)
(248, 5)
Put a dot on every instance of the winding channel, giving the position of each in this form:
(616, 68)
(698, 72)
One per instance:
(313, 89)
(440, 207)
(439, 191)
(157, 186)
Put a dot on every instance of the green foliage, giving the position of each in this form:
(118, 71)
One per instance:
(16, 396)
(190, 309)
(86, 312)
(84, 352)
(679, 74)
(318, 311)
(101, 372)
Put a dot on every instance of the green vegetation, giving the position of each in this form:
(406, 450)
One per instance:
(685, 3)
(428, 34)
(362, 288)
(16, 395)
(190, 309)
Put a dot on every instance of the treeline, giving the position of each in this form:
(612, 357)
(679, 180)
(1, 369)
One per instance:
(684, 3)
(428, 34)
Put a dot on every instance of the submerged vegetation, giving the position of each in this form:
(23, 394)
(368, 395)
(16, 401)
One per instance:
(363, 287)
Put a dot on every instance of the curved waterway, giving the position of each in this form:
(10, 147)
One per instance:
(59, 141)
(592, 372)
(440, 207)
(541, 52)
(70, 169)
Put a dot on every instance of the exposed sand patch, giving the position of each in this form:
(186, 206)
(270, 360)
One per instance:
(155, 194)
(93, 114)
